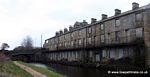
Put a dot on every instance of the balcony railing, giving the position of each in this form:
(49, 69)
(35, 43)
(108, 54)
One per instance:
(124, 40)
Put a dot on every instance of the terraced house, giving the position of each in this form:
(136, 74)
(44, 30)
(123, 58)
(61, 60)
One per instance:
(123, 35)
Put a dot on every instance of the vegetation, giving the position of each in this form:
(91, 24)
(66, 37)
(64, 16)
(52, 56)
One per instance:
(27, 43)
(9, 69)
(43, 70)
(4, 46)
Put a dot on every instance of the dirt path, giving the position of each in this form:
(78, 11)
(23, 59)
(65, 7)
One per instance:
(30, 70)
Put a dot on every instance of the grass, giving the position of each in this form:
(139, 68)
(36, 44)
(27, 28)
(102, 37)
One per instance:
(42, 70)
(8, 68)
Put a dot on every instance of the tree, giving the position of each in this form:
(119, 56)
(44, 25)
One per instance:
(18, 48)
(27, 43)
(4, 46)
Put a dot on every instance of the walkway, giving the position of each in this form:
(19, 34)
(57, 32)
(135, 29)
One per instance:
(30, 70)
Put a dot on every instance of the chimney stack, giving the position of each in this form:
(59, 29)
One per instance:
(84, 23)
(57, 34)
(93, 20)
(60, 32)
(135, 5)
(70, 28)
(65, 30)
(117, 12)
(104, 16)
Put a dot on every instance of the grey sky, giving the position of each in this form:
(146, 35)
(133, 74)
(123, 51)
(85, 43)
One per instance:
(19, 18)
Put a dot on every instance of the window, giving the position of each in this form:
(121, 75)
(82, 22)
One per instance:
(108, 38)
(71, 35)
(97, 57)
(104, 54)
(71, 43)
(80, 42)
(102, 27)
(46, 41)
(127, 34)
(89, 30)
(102, 38)
(55, 46)
(117, 36)
(138, 17)
(80, 33)
(112, 53)
(65, 44)
(117, 22)
(89, 39)
(121, 54)
(91, 54)
(139, 32)
(60, 44)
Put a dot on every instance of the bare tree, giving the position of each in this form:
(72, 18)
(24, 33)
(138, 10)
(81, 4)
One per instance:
(4, 46)
(27, 43)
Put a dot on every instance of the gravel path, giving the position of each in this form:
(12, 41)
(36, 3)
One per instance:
(30, 70)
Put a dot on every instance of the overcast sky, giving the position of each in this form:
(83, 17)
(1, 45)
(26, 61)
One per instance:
(19, 18)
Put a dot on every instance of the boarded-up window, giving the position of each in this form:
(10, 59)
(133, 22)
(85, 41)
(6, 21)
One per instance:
(102, 27)
(117, 36)
(127, 35)
(80, 42)
(80, 33)
(71, 43)
(91, 54)
(139, 32)
(71, 35)
(89, 30)
(104, 54)
(90, 41)
(65, 44)
(117, 22)
(138, 17)
(97, 57)
(112, 53)
(121, 53)
(102, 38)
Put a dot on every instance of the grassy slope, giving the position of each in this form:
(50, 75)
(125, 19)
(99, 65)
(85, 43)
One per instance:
(10, 68)
(43, 70)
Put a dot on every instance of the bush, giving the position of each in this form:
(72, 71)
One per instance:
(3, 58)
